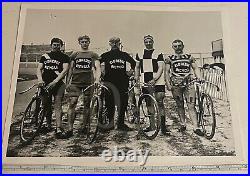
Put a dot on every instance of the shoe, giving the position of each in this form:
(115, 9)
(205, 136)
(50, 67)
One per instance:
(148, 129)
(182, 128)
(46, 129)
(199, 132)
(67, 134)
(83, 130)
(124, 127)
(59, 133)
(165, 131)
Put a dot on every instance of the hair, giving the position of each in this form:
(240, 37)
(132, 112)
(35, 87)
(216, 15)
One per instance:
(57, 40)
(178, 40)
(83, 37)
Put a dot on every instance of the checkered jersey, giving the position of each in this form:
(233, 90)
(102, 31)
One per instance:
(149, 66)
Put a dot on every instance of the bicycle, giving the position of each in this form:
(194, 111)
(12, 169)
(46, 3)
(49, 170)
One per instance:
(148, 119)
(34, 113)
(204, 108)
(94, 120)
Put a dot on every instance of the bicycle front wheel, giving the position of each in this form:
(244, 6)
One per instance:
(208, 120)
(149, 121)
(93, 119)
(32, 120)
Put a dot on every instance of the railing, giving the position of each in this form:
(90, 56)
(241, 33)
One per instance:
(216, 76)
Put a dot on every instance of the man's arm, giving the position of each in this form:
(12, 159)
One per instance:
(196, 69)
(60, 76)
(97, 71)
(159, 71)
(167, 67)
(39, 73)
(160, 62)
(137, 68)
(71, 66)
(132, 65)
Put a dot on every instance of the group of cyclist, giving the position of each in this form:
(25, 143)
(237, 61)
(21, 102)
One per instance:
(84, 67)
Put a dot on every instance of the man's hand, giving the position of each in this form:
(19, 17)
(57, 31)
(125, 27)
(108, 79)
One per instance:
(40, 83)
(97, 81)
(67, 87)
(152, 82)
(51, 85)
(130, 73)
(169, 87)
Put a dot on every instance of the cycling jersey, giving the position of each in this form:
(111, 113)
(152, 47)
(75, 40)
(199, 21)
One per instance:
(180, 68)
(115, 68)
(84, 61)
(53, 65)
(149, 67)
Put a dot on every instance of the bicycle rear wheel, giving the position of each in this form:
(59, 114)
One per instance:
(149, 121)
(32, 120)
(208, 120)
(93, 119)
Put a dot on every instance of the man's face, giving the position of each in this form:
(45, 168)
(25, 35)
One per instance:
(84, 43)
(178, 47)
(56, 46)
(115, 45)
(148, 43)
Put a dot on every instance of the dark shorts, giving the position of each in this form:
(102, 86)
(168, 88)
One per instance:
(76, 90)
(58, 90)
(157, 88)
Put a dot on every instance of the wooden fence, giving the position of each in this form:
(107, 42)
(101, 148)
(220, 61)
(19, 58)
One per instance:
(217, 77)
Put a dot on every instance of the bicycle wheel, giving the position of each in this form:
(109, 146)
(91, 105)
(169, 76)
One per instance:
(208, 120)
(93, 119)
(149, 121)
(32, 120)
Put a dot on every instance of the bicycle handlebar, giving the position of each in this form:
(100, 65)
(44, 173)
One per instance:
(31, 87)
(202, 82)
(96, 86)
(24, 91)
(141, 84)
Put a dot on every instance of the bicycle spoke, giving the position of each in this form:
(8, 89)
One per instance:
(208, 116)
(31, 121)
(149, 117)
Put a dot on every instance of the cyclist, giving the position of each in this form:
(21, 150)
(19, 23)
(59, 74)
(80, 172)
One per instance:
(52, 68)
(179, 67)
(150, 66)
(115, 73)
(84, 66)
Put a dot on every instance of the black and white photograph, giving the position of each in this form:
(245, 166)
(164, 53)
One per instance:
(120, 84)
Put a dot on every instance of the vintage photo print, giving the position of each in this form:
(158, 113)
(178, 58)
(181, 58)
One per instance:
(120, 83)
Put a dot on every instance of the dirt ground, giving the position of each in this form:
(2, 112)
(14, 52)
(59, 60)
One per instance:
(177, 144)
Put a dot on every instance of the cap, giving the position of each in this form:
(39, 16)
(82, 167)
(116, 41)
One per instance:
(149, 37)
(114, 40)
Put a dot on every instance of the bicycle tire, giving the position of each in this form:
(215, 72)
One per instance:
(93, 119)
(207, 116)
(32, 119)
(146, 119)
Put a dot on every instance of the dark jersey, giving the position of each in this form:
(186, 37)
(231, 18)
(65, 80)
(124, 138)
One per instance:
(53, 65)
(84, 61)
(115, 67)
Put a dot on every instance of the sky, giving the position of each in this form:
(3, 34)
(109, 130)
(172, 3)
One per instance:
(196, 29)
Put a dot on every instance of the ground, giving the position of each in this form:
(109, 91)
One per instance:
(177, 144)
